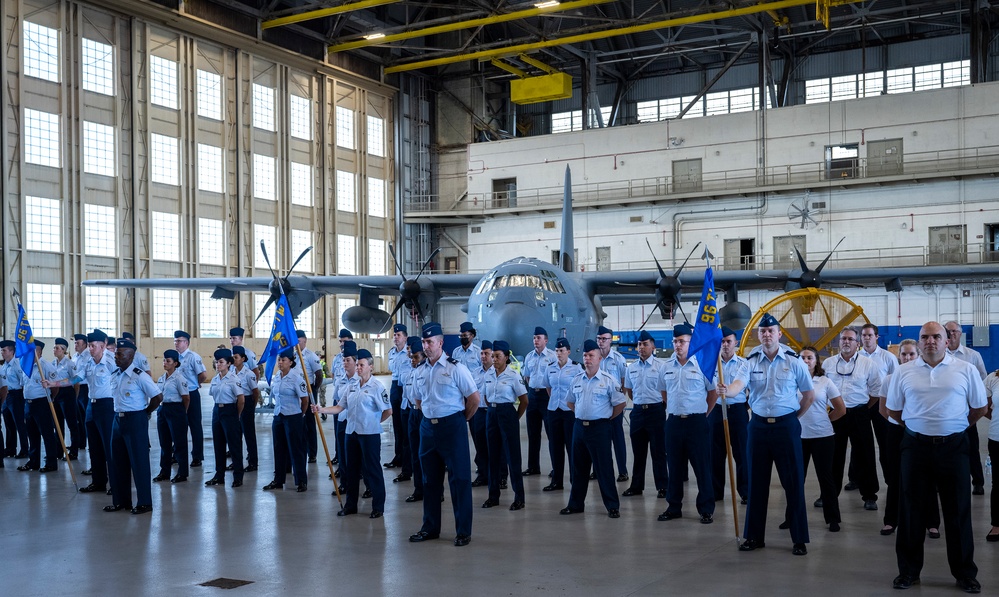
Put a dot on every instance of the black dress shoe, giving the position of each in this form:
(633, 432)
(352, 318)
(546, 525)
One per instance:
(850, 486)
(490, 503)
(402, 478)
(799, 549)
(228, 467)
(25, 467)
(250, 468)
(784, 525)
(195, 463)
(933, 534)
(335, 460)
(414, 498)
(302, 487)
(669, 515)
(21, 455)
(109, 493)
(969, 585)
(751, 544)
(622, 478)
(706, 519)
(423, 536)
(160, 477)
(87, 472)
(48, 469)
(833, 527)
(992, 538)
(113, 508)
(237, 483)
(567, 511)
(389, 465)
(553, 487)
(342, 489)
(178, 479)
(661, 494)
(479, 482)
(503, 484)
(744, 501)
(273, 485)
(593, 476)
(904, 581)
(531, 471)
(615, 513)
(517, 506)
(366, 494)
(978, 490)
(142, 509)
(346, 512)
(630, 492)
(870, 505)
(817, 503)
(887, 530)
(461, 540)
(312, 459)
(214, 481)
(375, 514)
(92, 489)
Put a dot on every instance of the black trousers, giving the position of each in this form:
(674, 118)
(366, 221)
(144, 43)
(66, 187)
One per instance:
(197, 429)
(100, 415)
(248, 426)
(941, 462)
(648, 432)
(775, 443)
(82, 400)
(226, 434)
(477, 427)
(687, 440)
(407, 457)
(855, 428)
(820, 450)
(41, 428)
(891, 462)
(503, 434)
(364, 461)
(591, 445)
(289, 448)
(560, 423)
(171, 429)
(17, 429)
(738, 422)
(537, 417)
(415, 419)
(67, 399)
(399, 432)
(994, 494)
(975, 457)
(310, 432)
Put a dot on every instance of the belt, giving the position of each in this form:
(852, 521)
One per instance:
(776, 419)
(121, 414)
(648, 406)
(442, 419)
(935, 439)
(593, 422)
(858, 407)
(93, 400)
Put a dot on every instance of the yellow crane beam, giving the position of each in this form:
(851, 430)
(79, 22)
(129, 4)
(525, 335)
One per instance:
(323, 12)
(595, 35)
(460, 25)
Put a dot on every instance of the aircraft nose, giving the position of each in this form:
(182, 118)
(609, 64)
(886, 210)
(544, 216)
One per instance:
(515, 323)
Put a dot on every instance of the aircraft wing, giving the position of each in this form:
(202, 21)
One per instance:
(457, 283)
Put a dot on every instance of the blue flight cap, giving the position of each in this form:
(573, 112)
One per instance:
(683, 329)
(432, 329)
(604, 330)
(300, 333)
(98, 336)
(727, 331)
(241, 351)
(501, 345)
(182, 334)
(7, 344)
(540, 331)
(345, 333)
(415, 345)
(769, 320)
(590, 345)
(563, 343)
(349, 349)
(39, 344)
(287, 353)
(80, 337)
(223, 353)
(646, 336)
(128, 336)
(123, 343)
(111, 340)
(237, 332)
(364, 353)
(487, 345)
(466, 327)
(171, 354)
(400, 328)
(61, 342)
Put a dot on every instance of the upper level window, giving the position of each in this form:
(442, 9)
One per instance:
(263, 108)
(98, 67)
(209, 95)
(41, 52)
(163, 82)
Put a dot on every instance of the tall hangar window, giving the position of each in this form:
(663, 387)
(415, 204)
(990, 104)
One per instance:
(98, 67)
(43, 224)
(41, 52)
(166, 236)
(164, 156)
(98, 149)
(101, 309)
(376, 257)
(166, 312)
(300, 241)
(210, 175)
(41, 138)
(376, 197)
(346, 254)
(44, 302)
(262, 328)
(212, 315)
(376, 136)
(345, 193)
(342, 304)
(267, 235)
(209, 95)
(211, 241)
(304, 321)
(301, 184)
(163, 82)
(300, 117)
(264, 177)
(100, 231)
(263, 108)
(345, 127)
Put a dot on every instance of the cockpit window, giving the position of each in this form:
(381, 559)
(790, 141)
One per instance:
(546, 281)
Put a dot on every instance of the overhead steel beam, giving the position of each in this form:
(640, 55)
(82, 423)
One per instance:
(324, 12)
(469, 24)
(585, 37)
(715, 78)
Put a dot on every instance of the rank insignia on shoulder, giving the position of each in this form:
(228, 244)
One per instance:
(790, 353)
(136, 370)
(452, 361)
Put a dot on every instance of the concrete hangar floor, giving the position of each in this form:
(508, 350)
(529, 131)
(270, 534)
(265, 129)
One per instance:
(58, 541)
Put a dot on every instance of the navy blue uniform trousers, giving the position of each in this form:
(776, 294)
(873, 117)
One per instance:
(171, 428)
(444, 447)
(226, 434)
(248, 427)
(82, 400)
(648, 431)
(399, 432)
(537, 417)
(560, 423)
(364, 460)
(17, 429)
(415, 419)
(67, 399)
(591, 445)
(194, 423)
(41, 427)
(130, 457)
(311, 434)
(776, 444)
(738, 421)
(289, 447)
(687, 438)
(100, 414)
(503, 433)
(477, 427)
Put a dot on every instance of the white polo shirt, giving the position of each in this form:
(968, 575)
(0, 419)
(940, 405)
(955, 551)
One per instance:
(815, 422)
(857, 379)
(936, 400)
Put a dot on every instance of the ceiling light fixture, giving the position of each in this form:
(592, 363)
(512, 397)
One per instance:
(374, 36)
(547, 4)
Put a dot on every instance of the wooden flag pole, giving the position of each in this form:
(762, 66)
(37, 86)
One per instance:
(319, 424)
(728, 451)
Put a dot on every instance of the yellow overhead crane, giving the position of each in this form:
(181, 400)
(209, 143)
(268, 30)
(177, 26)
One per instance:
(324, 12)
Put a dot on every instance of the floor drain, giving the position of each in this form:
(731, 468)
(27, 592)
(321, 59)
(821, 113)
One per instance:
(226, 583)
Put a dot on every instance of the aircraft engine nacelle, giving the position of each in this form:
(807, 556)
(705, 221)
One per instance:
(735, 315)
(366, 320)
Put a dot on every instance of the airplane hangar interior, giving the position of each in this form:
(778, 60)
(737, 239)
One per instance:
(577, 166)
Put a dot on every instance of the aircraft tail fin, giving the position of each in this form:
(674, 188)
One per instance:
(567, 252)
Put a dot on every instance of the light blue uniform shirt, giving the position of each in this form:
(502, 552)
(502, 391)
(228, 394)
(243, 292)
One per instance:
(504, 388)
(365, 404)
(246, 377)
(139, 360)
(336, 368)
(447, 384)
(132, 389)
(774, 384)
(595, 397)
(251, 358)
(288, 391)
(686, 387)
(480, 375)
(33, 388)
(312, 364)
(227, 389)
(644, 379)
(397, 360)
(536, 367)
(14, 375)
(80, 360)
(191, 366)
(559, 383)
(413, 390)
(99, 375)
(405, 374)
(64, 369)
(342, 388)
(471, 358)
(615, 364)
(735, 368)
(173, 388)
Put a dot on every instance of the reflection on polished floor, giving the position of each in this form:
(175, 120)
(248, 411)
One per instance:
(59, 541)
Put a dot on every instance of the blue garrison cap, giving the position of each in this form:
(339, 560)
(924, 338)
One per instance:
(288, 353)
(364, 353)
(300, 333)
(487, 345)
(399, 327)
(769, 320)
(111, 340)
(683, 329)
(61, 342)
(7, 344)
(646, 336)
(241, 351)
(237, 332)
(727, 331)
(181, 334)
(123, 343)
(39, 344)
(501, 345)
(415, 344)
(223, 353)
(345, 333)
(540, 331)
(349, 349)
(128, 336)
(466, 327)
(80, 337)
(562, 343)
(604, 330)
(432, 329)
(97, 336)
(590, 345)
(171, 354)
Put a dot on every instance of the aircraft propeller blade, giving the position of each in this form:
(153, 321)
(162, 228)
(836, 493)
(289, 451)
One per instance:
(801, 260)
(267, 260)
(270, 301)
(654, 258)
(427, 262)
(299, 259)
(684, 264)
(651, 313)
(826, 260)
(388, 321)
(395, 260)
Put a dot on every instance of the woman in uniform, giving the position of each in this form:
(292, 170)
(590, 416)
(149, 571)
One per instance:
(171, 419)
(504, 388)
(559, 382)
(291, 401)
(228, 393)
(247, 422)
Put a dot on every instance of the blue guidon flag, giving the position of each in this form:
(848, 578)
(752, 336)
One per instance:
(282, 336)
(24, 342)
(707, 337)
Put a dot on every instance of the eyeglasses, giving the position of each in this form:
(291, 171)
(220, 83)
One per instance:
(847, 373)
(953, 332)
(603, 338)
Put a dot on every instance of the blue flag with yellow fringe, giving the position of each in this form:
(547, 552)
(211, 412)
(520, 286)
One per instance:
(282, 336)
(707, 337)
(24, 342)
